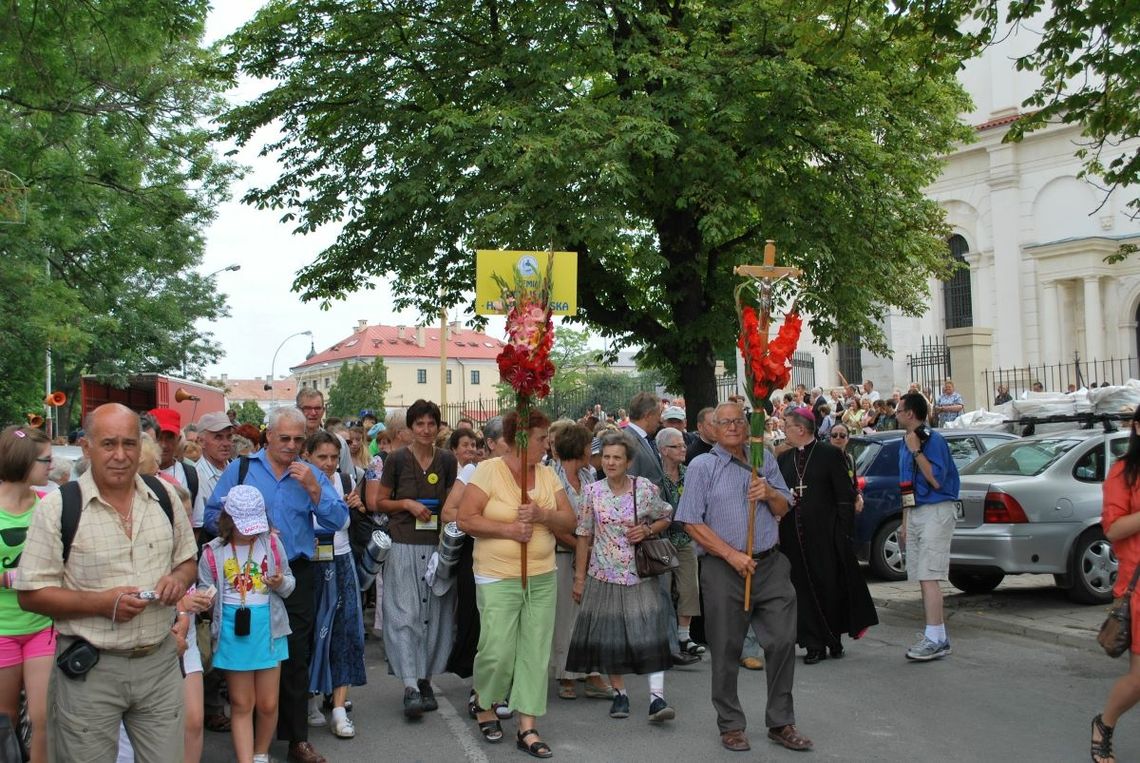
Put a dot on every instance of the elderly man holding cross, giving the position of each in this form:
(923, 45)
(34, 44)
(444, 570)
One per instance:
(720, 493)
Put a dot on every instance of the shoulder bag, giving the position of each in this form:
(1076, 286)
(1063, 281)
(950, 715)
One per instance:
(1115, 635)
(654, 555)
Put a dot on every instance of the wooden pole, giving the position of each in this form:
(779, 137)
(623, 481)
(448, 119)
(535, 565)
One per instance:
(751, 533)
(522, 460)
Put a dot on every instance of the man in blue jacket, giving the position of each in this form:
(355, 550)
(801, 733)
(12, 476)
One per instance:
(928, 480)
(295, 493)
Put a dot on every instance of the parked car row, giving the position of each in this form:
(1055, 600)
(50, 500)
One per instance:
(1028, 505)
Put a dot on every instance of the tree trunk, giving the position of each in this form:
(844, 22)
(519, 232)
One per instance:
(698, 384)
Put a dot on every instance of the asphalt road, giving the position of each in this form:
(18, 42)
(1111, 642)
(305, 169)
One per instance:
(996, 698)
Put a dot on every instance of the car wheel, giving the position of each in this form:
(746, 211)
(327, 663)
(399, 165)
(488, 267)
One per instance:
(1092, 568)
(886, 557)
(976, 582)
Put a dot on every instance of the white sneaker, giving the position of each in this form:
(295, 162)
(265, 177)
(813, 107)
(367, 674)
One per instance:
(343, 728)
(316, 717)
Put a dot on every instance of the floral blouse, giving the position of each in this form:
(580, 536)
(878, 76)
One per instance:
(607, 517)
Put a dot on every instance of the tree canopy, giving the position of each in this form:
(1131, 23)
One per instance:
(662, 140)
(359, 386)
(102, 115)
(1089, 62)
(249, 412)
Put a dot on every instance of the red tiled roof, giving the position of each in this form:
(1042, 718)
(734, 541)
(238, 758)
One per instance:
(386, 342)
(999, 122)
(254, 389)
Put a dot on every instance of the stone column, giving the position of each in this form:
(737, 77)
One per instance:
(1005, 214)
(1052, 323)
(1094, 320)
(971, 353)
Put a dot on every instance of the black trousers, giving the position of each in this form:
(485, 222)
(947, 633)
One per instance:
(293, 707)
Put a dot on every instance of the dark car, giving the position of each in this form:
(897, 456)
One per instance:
(877, 468)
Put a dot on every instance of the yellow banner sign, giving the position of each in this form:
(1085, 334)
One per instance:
(529, 266)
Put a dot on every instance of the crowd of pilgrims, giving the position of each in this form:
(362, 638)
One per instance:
(585, 619)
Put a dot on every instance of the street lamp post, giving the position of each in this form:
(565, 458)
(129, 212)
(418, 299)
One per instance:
(269, 382)
(228, 268)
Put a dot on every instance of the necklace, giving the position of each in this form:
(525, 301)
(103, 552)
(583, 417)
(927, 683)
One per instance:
(801, 471)
(127, 522)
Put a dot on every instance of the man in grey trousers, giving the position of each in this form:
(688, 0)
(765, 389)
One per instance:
(720, 491)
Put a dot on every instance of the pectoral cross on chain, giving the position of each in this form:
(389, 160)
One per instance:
(799, 489)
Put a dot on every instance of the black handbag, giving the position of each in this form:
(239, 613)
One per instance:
(1115, 635)
(655, 555)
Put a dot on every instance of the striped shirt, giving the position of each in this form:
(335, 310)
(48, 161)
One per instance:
(715, 495)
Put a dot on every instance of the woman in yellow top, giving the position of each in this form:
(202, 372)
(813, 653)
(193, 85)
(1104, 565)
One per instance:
(516, 624)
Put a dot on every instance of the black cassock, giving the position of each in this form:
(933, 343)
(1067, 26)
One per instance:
(816, 536)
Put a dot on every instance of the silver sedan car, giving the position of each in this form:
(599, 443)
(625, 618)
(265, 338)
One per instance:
(1033, 506)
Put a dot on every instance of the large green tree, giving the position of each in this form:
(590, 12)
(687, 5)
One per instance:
(662, 140)
(102, 114)
(359, 386)
(1089, 63)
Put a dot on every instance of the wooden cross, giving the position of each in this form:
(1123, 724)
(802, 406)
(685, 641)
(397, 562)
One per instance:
(766, 274)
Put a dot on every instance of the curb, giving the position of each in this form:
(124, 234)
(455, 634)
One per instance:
(1013, 626)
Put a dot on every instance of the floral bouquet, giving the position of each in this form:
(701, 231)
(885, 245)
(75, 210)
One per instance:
(524, 362)
(767, 365)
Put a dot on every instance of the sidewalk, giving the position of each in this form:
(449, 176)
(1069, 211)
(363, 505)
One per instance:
(1023, 605)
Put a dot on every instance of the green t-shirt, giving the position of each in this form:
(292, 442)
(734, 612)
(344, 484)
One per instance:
(13, 532)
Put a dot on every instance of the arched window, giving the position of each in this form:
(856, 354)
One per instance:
(956, 289)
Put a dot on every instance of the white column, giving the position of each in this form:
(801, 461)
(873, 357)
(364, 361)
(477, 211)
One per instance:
(1005, 216)
(1094, 320)
(1051, 318)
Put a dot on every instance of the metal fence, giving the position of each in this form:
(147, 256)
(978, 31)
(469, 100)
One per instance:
(930, 366)
(1062, 377)
(803, 369)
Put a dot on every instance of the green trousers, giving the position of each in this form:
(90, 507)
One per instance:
(515, 629)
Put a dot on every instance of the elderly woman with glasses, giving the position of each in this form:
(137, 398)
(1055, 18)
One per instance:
(815, 536)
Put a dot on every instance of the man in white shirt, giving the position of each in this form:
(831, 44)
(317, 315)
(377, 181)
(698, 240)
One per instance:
(869, 391)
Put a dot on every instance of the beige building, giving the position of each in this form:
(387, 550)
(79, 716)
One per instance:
(412, 356)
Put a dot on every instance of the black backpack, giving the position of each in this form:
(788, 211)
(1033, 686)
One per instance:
(72, 509)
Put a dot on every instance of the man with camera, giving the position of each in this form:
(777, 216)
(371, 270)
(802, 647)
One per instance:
(111, 592)
(928, 483)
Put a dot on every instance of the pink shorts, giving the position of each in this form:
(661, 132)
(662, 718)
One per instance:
(15, 650)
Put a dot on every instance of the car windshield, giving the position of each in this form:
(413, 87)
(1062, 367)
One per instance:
(1025, 458)
(864, 453)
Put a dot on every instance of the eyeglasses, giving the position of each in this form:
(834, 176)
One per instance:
(312, 408)
(839, 436)
(44, 460)
(731, 422)
(675, 446)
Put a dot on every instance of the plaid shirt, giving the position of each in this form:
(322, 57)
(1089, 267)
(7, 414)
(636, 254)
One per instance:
(102, 557)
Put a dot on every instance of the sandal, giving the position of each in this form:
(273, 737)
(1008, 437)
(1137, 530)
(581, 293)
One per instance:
(492, 731)
(566, 691)
(1102, 748)
(472, 705)
(534, 749)
(219, 722)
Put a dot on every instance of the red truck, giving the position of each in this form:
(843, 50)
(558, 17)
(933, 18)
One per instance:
(145, 391)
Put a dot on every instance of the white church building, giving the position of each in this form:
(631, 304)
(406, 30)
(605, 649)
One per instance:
(1038, 293)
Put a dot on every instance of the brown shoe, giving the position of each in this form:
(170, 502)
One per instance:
(790, 738)
(303, 752)
(735, 740)
(752, 663)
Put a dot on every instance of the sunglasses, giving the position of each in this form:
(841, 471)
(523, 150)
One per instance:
(839, 436)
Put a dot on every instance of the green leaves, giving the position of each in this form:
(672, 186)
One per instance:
(101, 107)
(663, 142)
(359, 386)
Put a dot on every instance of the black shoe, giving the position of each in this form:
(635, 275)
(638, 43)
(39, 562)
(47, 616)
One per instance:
(620, 706)
(814, 655)
(428, 694)
(659, 711)
(413, 703)
(692, 647)
(836, 652)
(685, 658)
(472, 705)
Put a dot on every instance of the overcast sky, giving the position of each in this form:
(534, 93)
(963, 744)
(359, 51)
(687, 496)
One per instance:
(263, 309)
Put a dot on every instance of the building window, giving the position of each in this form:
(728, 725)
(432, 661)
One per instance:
(474, 377)
(328, 382)
(851, 361)
(421, 376)
(449, 376)
(956, 290)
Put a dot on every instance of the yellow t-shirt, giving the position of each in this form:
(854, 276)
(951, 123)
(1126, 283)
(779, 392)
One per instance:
(502, 559)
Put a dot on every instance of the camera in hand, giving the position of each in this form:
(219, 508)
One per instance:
(148, 595)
